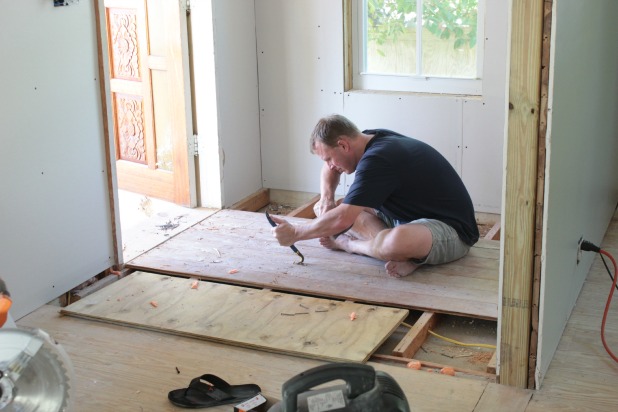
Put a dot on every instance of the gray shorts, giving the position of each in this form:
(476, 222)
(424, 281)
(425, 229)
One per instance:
(446, 245)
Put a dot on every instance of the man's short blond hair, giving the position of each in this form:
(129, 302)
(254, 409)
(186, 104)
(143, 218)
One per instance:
(329, 129)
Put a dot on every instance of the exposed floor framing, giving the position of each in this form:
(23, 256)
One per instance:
(239, 241)
(123, 368)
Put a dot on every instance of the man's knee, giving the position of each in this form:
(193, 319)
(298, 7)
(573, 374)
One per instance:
(403, 242)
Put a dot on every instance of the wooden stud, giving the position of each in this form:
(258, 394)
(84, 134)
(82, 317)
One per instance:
(416, 336)
(347, 45)
(96, 286)
(433, 365)
(540, 194)
(520, 191)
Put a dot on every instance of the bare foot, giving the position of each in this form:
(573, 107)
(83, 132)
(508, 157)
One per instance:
(341, 243)
(398, 269)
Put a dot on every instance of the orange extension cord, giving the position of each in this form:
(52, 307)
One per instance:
(609, 300)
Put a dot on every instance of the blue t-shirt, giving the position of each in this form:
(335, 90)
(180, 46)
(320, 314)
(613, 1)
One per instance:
(407, 179)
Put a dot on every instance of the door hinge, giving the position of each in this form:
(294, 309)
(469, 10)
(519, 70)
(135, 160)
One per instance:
(188, 6)
(195, 145)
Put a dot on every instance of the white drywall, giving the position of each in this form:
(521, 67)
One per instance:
(227, 104)
(581, 183)
(55, 218)
(300, 66)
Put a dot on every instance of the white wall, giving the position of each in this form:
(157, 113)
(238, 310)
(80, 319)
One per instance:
(300, 66)
(226, 92)
(55, 219)
(581, 176)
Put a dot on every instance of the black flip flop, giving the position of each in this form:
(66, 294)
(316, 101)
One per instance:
(210, 390)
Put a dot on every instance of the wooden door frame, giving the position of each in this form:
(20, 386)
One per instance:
(108, 127)
(110, 150)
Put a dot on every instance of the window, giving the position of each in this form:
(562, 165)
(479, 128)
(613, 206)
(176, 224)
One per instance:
(417, 45)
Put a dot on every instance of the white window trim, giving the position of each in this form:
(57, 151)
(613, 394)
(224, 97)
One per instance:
(411, 83)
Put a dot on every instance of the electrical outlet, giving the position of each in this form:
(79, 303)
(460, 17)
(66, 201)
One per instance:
(579, 249)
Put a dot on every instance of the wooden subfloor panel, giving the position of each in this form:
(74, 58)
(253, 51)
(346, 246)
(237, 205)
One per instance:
(252, 318)
(128, 369)
(241, 240)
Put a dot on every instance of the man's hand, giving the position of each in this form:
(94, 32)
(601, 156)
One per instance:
(284, 231)
(323, 205)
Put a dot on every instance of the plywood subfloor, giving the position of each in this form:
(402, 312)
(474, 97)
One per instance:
(127, 369)
(240, 240)
(252, 318)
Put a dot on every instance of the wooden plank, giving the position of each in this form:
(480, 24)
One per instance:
(252, 318)
(305, 210)
(540, 193)
(127, 369)
(242, 240)
(491, 366)
(416, 336)
(108, 139)
(494, 232)
(520, 190)
(254, 202)
(348, 44)
(432, 365)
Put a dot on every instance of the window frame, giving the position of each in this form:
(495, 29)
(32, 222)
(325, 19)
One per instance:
(356, 79)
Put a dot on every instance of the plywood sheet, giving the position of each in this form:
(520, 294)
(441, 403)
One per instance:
(253, 318)
(126, 369)
(241, 240)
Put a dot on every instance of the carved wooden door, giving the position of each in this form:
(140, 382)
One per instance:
(151, 114)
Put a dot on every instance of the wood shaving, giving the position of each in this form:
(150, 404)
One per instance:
(154, 303)
(232, 271)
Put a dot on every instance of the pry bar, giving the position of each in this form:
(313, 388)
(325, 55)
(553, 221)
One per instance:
(273, 224)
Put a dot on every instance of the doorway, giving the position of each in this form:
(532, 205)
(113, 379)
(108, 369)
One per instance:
(147, 52)
(149, 86)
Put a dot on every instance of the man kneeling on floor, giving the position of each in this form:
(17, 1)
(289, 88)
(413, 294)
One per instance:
(407, 205)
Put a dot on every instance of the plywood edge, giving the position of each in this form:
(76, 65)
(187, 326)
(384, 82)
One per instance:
(254, 202)
(416, 336)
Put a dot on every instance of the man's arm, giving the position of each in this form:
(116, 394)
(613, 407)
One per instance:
(333, 222)
(329, 179)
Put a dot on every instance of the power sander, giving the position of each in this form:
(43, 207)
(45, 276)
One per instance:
(365, 390)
